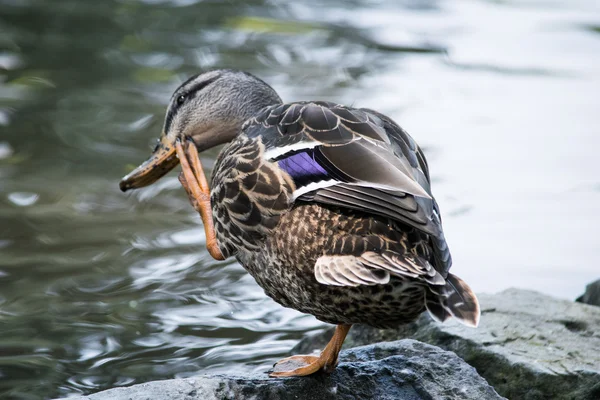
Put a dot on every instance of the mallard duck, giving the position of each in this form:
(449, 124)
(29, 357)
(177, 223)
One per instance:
(328, 207)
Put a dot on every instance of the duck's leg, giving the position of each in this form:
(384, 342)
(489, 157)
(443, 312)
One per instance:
(302, 365)
(194, 182)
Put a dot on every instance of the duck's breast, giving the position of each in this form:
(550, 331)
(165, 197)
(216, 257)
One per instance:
(248, 196)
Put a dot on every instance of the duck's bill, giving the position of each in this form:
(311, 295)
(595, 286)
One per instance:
(162, 160)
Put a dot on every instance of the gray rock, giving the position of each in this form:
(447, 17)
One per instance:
(405, 369)
(528, 345)
(591, 295)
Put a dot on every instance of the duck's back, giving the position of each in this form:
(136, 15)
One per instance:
(354, 158)
(315, 197)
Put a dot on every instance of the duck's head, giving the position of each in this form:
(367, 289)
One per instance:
(209, 109)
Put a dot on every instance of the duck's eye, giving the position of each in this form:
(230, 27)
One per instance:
(180, 99)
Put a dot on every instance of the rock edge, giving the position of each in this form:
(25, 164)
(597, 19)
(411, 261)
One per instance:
(404, 369)
(528, 345)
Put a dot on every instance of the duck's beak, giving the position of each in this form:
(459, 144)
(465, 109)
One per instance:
(162, 160)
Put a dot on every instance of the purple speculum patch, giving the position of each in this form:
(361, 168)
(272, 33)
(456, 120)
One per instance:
(303, 168)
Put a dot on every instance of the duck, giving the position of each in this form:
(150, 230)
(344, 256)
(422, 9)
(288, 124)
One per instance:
(328, 207)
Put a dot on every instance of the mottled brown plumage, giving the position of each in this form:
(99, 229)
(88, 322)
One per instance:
(281, 241)
(328, 207)
(319, 231)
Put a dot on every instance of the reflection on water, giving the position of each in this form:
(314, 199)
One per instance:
(99, 289)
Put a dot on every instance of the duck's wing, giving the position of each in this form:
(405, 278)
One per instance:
(352, 158)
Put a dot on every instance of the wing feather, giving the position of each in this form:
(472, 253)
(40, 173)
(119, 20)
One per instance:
(378, 167)
(372, 165)
(347, 271)
(372, 268)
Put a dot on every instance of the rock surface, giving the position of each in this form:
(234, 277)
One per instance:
(528, 345)
(404, 369)
(591, 295)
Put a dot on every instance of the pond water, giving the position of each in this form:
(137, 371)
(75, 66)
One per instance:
(100, 289)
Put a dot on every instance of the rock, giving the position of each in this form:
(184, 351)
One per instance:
(591, 295)
(404, 369)
(528, 345)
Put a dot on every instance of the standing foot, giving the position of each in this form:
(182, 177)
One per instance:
(302, 365)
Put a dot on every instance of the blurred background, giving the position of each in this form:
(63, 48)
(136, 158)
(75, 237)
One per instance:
(101, 289)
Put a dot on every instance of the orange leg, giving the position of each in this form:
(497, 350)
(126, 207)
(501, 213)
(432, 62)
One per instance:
(194, 182)
(302, 365)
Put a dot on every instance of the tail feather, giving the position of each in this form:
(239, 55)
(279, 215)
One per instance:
(454, 299)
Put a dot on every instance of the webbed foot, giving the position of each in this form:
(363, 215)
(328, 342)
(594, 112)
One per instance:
(302, 365)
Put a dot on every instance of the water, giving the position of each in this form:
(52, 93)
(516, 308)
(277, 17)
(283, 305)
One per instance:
(100, 289)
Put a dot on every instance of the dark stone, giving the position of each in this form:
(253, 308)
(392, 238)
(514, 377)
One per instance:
(528, 345)
(591, 295)
(404, 369)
